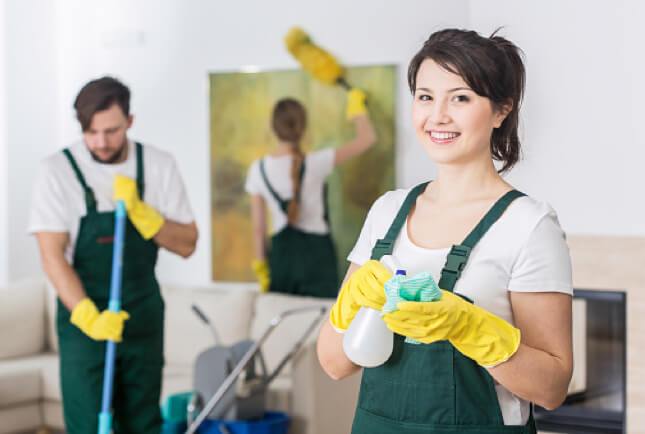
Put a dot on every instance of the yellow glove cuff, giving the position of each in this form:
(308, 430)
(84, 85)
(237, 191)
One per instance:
(146, 219)
(489, 340)
(84, 314)
(355, 103)
(261, 270)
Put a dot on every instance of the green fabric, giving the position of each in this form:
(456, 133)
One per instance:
(430, 389)
(139, 358)
(458, 255)
(301, 263)
(385, 245)
(420, 287)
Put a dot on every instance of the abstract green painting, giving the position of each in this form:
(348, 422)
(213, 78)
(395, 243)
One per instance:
(240, 109)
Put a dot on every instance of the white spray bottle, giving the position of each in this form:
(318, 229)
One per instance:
(368, 342)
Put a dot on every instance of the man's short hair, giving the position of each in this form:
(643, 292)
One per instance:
(99, 95)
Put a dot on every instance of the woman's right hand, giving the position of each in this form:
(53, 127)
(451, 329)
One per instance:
(365, 287)
(262, 273)
(355, 103)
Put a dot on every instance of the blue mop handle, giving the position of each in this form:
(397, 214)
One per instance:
(105, 417)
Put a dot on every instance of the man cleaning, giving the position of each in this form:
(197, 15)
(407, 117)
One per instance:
(72, 216)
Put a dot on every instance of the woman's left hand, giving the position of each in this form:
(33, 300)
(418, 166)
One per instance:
(475, 332)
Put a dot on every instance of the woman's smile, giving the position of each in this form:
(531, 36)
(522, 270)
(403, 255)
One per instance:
(443, 137)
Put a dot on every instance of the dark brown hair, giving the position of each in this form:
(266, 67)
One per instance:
(493, 68)
(99, 95)
(289, 121)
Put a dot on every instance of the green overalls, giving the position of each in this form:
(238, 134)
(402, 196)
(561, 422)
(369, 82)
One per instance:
(432, 388)
(301, 263)
(139, 360)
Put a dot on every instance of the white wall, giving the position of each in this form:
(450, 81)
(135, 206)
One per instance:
(164, 50)
(4, 246)
(583, 150)
(30, 116)
(583, 110)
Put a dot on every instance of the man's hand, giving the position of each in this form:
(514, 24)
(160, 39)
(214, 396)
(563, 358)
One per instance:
(104, 326)
(145, 218)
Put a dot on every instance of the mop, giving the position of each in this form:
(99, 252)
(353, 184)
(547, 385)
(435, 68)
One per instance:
(105, 416)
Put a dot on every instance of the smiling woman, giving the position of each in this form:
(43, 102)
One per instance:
(479, 89)
(505, 340)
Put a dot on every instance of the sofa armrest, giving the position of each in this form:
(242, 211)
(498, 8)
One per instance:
(320, 405)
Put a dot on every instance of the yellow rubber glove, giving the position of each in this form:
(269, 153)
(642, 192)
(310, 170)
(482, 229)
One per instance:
(355, 103)
(363, 288)
(145, 218)
(104, 326)
(261, 270)
(475, 332)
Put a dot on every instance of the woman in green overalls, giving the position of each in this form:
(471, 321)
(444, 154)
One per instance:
(301, 257)
(499, 338)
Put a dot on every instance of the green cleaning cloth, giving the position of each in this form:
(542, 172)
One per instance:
(420, 287)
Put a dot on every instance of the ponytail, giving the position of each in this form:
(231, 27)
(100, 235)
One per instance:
(293, 210)
(289, 121)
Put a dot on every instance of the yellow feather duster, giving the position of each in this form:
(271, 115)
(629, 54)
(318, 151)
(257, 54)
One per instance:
(313, 59)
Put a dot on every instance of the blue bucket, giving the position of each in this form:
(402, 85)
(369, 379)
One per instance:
(273, 422)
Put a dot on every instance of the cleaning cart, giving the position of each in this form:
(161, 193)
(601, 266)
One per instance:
(230, 382)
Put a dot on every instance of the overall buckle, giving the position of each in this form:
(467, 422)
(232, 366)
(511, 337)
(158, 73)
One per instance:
(455, 262)
(381, 248)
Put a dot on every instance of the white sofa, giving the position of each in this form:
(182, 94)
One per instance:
(29, 372)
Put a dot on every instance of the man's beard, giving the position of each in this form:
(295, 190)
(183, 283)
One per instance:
(114, 158)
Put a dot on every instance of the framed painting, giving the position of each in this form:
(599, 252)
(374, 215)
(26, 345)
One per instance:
(240, 109)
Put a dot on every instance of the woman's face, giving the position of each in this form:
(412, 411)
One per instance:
(453, 123)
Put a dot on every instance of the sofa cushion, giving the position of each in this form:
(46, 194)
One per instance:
(27, 379)
(50, 371)
(22, 312)
(285, 335)
(22, 418)
(230, 312)
(19, 385)
(21, 372)
(53, 415)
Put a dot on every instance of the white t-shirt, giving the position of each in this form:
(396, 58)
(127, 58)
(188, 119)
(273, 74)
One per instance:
(318, 165)
(524, 251)
(58, 200)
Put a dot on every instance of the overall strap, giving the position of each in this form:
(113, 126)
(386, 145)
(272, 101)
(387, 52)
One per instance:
(459, 253)
(326, 205)
(140, 174)
(284, 204)
(90, 199)
(385, 245)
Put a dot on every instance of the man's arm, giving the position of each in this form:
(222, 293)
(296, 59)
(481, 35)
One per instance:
(179, 238)
(60, 273)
